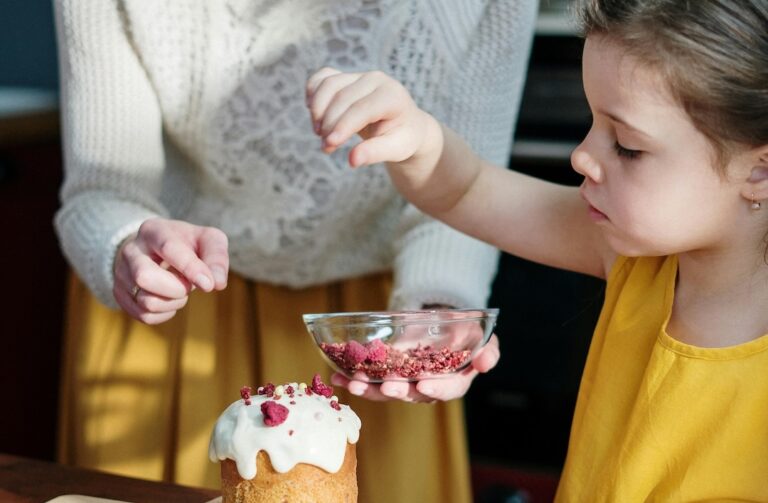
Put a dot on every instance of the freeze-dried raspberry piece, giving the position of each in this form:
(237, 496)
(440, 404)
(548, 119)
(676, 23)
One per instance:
(274, 413)
(377, 351)
(354, 353)
(245, 394)
(321, 388)
(268, 389)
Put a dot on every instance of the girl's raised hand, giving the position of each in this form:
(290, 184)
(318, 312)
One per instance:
(376, 107)
(156, 268)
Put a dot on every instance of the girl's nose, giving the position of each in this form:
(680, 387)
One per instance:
(586, 165)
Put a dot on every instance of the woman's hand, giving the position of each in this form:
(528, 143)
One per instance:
(380, 110)
(427, 390)
(156, 268)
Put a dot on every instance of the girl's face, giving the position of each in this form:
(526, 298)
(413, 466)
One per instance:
(649, 174)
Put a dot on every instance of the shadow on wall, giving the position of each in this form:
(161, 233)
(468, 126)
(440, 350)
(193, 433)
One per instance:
(28, 44)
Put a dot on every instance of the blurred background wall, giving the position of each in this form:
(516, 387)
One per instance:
(33, 271)
(27, 44)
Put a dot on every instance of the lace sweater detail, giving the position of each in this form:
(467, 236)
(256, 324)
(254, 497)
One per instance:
(195, 110)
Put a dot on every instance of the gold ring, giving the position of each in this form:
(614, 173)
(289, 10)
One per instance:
(135, 291)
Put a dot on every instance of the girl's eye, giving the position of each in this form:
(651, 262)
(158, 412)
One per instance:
(625, 152)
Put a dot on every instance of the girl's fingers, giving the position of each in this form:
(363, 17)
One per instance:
(359, 386)
(396, 389)
(388, 390)
(456, 386)
(315, 79)
(488, 357)
(213, 250)
(359, 93)
(391, 147)
(374, 116)
(447, 388)
(324, 94)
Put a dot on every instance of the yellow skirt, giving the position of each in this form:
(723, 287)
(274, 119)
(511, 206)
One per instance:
(141, 400)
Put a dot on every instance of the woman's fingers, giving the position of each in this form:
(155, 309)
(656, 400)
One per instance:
(145, 290)
(142, 271)
(181, 256)
(130, 306)
(213, 249)
(179, 243)
(157, 268)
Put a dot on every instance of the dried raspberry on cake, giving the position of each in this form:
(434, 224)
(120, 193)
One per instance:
(319, 387)
(245, 394)
(268, 389)
(274, 413)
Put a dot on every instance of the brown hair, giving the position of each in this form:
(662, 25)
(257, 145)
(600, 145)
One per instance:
(713, 55)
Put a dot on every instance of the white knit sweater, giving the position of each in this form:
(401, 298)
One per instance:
(194, 109)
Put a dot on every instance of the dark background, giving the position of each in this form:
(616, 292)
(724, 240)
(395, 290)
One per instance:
(518, 416)
(33, 272)
(27, 44)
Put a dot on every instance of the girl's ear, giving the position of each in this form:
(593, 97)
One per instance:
(756, 187)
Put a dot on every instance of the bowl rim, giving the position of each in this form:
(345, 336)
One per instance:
(391, 317)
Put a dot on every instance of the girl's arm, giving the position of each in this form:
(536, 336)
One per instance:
(438, 172)
(523, 215)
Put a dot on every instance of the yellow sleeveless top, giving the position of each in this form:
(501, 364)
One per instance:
(660, 420)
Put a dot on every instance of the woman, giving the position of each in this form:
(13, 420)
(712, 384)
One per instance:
(188, 150)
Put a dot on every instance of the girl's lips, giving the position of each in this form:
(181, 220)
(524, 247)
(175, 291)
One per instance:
(594, 213)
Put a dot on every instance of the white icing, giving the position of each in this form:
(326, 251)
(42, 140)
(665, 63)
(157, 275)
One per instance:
(320, 433)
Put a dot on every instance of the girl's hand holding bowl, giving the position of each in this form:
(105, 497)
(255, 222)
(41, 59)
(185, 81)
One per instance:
(418, 356)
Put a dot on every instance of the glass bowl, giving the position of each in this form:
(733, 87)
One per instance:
(401, 345)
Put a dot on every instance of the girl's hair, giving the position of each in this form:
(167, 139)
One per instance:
(713, 55)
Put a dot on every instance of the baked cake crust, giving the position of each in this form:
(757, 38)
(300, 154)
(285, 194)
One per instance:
(302, 484)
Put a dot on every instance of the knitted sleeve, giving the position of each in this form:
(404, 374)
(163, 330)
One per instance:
(112, 134)
(436, 264)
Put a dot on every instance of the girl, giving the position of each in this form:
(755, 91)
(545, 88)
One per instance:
(672, 404)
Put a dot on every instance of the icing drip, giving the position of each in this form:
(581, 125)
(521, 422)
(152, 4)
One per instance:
(314, 432)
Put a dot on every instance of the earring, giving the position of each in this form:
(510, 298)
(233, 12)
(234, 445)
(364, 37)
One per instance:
(755, 205)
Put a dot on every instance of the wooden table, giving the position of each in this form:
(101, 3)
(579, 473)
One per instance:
(25, 480)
